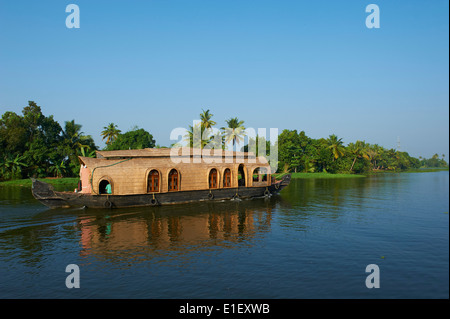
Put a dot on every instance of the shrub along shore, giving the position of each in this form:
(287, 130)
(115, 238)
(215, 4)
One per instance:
(65, 182)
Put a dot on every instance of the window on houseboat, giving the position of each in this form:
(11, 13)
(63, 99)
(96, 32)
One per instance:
(227, 178)
(260, 174)
(213, 180)
(173, 180)
(153, 182)
(264, 177)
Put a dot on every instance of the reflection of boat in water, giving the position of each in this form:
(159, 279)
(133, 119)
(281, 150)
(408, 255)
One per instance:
(128, 236)
(144, 233)
(153, 177)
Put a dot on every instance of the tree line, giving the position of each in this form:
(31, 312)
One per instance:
(299, 153)
(35, 145)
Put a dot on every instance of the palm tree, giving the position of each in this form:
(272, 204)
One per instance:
(73, 136)
(205, 118)
(191, 136)
(372, 154)
(203, 130)
(110, 132)
(72, 132)
(235, 131)
(359, 150)
(336, 146)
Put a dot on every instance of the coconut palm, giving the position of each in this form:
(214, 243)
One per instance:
(191, 136)
(336, 146)
(204, 129)
(373, 153)
(73, 136)
(110, 132)
(358, 150)
(205, 118)
(235, 131)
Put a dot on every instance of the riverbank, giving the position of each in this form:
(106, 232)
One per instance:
(347, 175)
(425, 170)
(320, 175)
(66, 182)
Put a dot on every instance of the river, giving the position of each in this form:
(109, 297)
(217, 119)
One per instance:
(314, 240)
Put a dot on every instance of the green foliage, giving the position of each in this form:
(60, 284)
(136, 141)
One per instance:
(59, 169)
(203, 134)
(110, 132)
(62, 184)
(299, 153)
(434, 161)
(296, 151)
(134, 139)
(234, 132)
(336, 146)
(73, 144)
(206, 119)
(254, 145)
(35, 145)
(11, 167)
(198, 135)
(322, 175)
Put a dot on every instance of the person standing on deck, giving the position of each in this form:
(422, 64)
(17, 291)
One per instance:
(108, 189)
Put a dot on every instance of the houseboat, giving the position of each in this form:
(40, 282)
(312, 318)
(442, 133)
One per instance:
(152, 177)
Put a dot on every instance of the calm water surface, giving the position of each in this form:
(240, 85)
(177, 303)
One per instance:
(313, 241)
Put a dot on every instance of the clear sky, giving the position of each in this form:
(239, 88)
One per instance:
(305, 65)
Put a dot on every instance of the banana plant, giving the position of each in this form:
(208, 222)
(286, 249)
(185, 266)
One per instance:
(86, 152)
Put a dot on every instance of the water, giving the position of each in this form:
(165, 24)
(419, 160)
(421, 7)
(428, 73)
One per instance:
(313, 241)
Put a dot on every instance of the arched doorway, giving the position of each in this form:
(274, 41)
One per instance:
(173, 180)
(104, 187)
(241, 175)
(153, 182)
(227, 178)
(213, 179)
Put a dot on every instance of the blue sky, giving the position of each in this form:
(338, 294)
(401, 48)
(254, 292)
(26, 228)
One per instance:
(305, 65)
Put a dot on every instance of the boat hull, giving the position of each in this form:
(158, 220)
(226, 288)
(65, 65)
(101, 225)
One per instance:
(44, 193)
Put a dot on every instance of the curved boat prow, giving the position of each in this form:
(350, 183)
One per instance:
(41, 189)
(45, 193)
(285, 180)
(280, 184)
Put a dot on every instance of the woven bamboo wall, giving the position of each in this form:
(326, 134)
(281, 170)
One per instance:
(128, 174)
